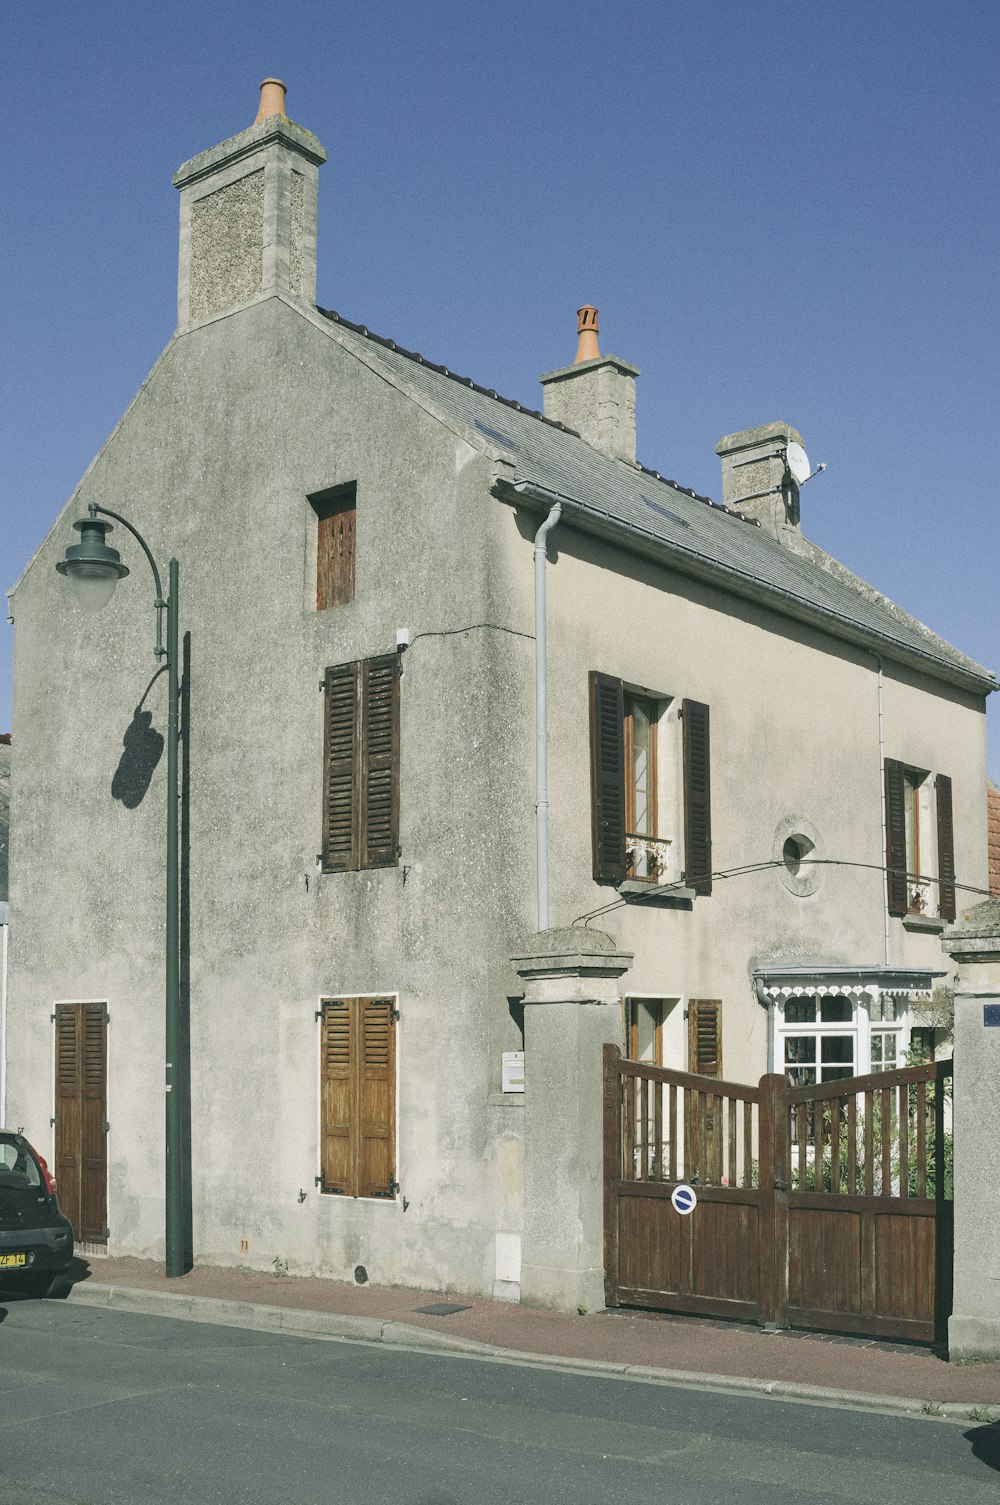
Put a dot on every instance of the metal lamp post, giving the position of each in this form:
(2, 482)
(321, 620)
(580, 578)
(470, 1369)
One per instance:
(93, 569)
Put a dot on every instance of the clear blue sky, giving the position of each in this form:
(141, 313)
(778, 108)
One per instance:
(783, 210)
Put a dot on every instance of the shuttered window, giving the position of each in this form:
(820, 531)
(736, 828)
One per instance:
(336, 514)
(919, 841)
(81, 1159)
(361, 765)
(358, 1097)
(705, 1036)
(616, 795)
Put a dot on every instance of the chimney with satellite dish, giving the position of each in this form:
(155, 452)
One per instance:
(596, 395)
(763, 470)
(248, 216)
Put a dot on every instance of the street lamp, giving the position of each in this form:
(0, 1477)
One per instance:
(93, 569)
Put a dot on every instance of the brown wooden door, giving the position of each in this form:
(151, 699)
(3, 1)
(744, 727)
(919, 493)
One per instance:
(81, 1117)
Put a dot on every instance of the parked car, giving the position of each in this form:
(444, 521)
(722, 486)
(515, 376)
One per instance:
(36, 1241)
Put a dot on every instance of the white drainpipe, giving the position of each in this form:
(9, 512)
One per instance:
(541, 719)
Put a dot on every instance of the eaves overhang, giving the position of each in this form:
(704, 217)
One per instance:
(789, 979)
(787, 603)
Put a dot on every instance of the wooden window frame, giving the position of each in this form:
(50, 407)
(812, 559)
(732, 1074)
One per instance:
(355, 1179)
(335, 569)
(913, 781)
(632, 1003)
(653, 708)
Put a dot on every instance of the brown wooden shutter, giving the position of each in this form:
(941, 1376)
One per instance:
(697, 798)
(946, 847)
(338, 1090)
(895, 836)
(341, 773)
(705, 1036)
(607, 777)
(69, 1107)
(380, 762)
(377, 1098)
(81, 1158)
(335, 540)
(93, 1147)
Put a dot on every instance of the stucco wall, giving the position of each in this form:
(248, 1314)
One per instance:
(240, 421)
(794, 733)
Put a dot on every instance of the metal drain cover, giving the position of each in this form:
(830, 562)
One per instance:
(442, 1309)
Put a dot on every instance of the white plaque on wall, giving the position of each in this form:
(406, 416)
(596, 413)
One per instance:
(513, 1070)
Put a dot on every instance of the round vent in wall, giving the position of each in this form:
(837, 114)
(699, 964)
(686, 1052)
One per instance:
(795, 854)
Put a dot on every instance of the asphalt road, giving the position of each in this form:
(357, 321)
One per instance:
(110, 1408)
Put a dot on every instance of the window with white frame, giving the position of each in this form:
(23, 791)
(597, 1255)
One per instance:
(823, 1036)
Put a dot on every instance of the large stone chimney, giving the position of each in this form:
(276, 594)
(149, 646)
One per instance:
(248, 216)
(596, 395)
(755, 476)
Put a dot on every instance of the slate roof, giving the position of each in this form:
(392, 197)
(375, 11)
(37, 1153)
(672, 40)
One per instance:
(641, 507)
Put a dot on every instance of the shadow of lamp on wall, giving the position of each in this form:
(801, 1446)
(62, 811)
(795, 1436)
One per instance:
(93, 569)
(142, 750)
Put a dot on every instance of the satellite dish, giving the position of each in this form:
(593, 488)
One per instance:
(798, 463)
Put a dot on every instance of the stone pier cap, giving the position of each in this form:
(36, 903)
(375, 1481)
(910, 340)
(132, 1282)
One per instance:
(573, 964)
(977, 937)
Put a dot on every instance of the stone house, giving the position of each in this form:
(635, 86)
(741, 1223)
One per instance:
(456, 673)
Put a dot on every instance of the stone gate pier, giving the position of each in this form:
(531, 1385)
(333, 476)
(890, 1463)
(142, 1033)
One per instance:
(974, 944)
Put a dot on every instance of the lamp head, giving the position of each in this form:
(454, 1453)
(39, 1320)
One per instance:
(91, 566)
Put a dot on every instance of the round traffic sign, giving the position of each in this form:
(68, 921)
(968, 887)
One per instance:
(684, 1199)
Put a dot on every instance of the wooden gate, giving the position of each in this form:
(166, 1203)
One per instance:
(820, 1206)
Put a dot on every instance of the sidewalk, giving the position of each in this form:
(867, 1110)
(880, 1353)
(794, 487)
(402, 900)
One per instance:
(853, 1371)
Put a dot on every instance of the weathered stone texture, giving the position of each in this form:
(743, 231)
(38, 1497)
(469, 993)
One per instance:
(227, 246)
(295, 234)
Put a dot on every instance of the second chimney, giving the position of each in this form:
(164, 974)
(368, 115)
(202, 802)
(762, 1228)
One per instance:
(596, 395)
(756, 480)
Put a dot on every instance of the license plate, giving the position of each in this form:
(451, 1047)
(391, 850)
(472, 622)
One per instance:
(9, 1260)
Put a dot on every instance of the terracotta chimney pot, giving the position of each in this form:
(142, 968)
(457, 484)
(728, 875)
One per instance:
(272, 99)
(587, 327)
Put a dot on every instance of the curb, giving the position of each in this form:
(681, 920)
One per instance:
(334, 1326)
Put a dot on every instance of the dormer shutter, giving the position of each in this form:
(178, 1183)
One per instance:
(697, 798)
(946, 847)
(607, 777)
